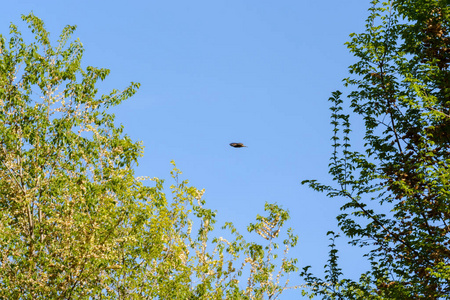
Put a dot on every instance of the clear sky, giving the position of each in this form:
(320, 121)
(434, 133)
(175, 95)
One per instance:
(218, 71)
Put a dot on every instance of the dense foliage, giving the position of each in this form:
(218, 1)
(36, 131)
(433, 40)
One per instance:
(398, 187)
(75, 223)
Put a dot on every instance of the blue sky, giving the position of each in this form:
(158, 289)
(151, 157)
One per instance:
(215, 72)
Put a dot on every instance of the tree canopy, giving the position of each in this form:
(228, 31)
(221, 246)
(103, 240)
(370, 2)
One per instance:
(396, 185)
(75, 222)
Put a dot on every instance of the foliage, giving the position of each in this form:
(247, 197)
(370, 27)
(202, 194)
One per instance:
(397, 189)
(75, 223)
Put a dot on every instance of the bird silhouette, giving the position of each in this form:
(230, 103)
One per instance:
(237, 145)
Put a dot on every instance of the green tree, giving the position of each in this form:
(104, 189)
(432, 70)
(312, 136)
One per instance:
(75, 223)
(397, 188)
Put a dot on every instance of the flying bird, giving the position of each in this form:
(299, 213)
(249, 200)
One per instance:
(237, 145)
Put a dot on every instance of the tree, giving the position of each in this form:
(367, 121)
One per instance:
(396, 188)
(75, 222)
